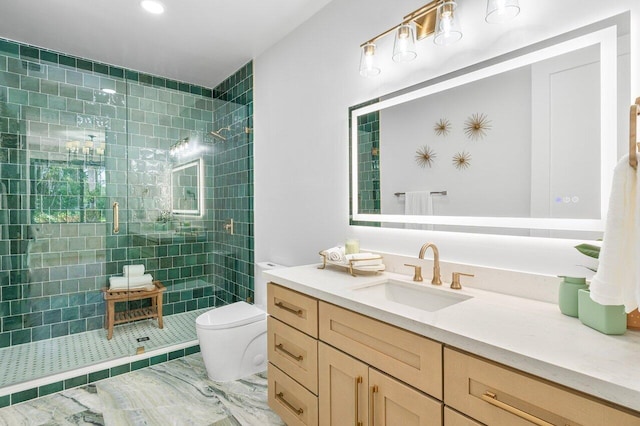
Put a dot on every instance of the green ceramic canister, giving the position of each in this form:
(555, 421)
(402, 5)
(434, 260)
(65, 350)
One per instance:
(568, 294)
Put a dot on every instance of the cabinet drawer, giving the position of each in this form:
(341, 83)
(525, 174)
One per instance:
(293, 352)
(293, 403)
(297, 310)
(413, 359)
(498, 395)
(453, 418)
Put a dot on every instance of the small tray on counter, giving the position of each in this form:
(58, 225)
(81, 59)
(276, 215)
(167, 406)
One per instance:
(352, 264)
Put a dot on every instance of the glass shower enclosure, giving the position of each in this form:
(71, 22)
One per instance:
(101, 168)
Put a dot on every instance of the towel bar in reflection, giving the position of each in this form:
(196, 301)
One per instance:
(397, 194)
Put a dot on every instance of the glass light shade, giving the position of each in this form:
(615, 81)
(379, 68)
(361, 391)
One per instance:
(447, 26)
(368, 66)
(404, 47)
(499, 11)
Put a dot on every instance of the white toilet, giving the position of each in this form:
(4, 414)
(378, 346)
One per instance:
(233, 338)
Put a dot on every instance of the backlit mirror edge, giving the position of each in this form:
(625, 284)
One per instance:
(606, 38)
(200, 190)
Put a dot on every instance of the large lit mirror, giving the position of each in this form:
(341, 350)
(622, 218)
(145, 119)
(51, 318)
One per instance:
(187, 189)
(524, 144)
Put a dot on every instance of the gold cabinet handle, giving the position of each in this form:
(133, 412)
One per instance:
(492, 399)
(357, 399)
(281, 348)
(297, 312)
(372, 404)
(280, 397)
(116, 217)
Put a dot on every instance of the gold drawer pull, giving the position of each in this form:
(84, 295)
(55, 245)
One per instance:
(297, 411)
(297, 312)
(492, 399)
(281, 348)
(372, 404)
(357, 398)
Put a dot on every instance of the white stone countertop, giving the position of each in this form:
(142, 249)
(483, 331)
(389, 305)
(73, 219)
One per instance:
(525, 334)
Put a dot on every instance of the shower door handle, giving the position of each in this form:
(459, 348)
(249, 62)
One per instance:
(116, 217)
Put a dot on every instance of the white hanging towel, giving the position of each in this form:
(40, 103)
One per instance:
(418, 203)
(616, 282)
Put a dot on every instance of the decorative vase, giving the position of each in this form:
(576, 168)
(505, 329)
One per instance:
(568, 294)
(607, 319)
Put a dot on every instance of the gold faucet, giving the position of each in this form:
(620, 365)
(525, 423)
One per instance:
(436, 262)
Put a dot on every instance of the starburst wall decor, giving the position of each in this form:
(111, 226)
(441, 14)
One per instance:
(425, 156)
(476, 126)
(442, 127)
(462, 160)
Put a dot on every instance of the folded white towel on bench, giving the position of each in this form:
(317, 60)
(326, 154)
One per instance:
(131, 283)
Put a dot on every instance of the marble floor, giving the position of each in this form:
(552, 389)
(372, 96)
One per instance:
(177, 392)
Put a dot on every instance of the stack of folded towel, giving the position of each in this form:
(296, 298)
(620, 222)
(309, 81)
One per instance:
(365, 259)
(336, 255)
(133, 278)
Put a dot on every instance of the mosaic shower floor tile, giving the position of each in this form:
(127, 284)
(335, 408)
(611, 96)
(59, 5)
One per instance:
(173, 393)
(26, 362)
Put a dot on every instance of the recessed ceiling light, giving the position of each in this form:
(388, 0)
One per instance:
(109, 91)
(152, 6)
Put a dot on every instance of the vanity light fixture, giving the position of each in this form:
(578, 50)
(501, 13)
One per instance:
(368, 66)
(404, 47)
(179, 147)
(152, 6)
(440, 18)
(499, 11)
(447, 29)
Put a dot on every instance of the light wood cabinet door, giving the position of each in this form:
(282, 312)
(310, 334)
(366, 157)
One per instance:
(497, 395)
(295, 405)
(293, 352)
(343, 384)
(453, 418)
(407, 356)
(392, 403)
(296, 309)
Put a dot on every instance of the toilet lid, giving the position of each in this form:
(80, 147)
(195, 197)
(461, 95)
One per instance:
(229, 316)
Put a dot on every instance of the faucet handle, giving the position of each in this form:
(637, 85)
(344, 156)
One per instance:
(455, 279)
(417, 272)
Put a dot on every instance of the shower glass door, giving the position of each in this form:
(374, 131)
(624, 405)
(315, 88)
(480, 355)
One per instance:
(75, 138)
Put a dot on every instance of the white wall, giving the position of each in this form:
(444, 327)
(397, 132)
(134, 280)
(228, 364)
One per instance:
(498, 180)
(303, 88)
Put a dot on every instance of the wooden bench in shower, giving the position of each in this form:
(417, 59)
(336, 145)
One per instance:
(112, 297)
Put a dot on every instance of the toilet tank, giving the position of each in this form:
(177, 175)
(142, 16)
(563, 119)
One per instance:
(260, 283)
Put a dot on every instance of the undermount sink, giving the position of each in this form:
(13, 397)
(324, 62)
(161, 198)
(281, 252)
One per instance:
(418, 296)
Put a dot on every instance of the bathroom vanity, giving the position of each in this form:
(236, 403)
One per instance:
(381, 349)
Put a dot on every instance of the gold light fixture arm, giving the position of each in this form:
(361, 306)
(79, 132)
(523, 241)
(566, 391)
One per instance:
(424, 18)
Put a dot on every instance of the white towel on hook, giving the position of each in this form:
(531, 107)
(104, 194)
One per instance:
(616, 282)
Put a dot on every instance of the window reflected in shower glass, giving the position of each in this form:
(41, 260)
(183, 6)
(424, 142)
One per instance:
(68, 191)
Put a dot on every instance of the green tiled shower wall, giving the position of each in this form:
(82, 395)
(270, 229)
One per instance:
(51, 273)
(232, 254)
(368, 161)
